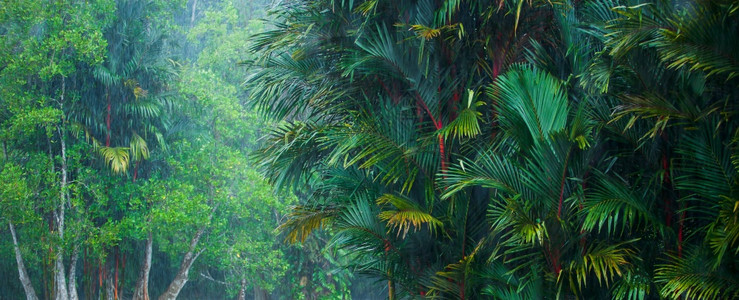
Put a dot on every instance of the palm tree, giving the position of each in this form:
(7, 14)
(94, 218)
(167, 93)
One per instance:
(122, 112)
(125, 101)
(510, 149)
(375, 114)
(684, 115)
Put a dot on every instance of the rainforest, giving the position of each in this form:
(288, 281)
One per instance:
(369, 149)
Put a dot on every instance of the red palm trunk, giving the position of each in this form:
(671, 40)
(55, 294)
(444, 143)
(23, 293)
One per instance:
(443, 154)
(100, 274)
(135, 172)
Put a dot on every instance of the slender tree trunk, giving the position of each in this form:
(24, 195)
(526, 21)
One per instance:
(73, 273)
(142, 285)
(115, 274)
(182, 274)
(60, 282)
(390, 283)
(666, 183)
(135, 172)
(442, 152)
(101, 273)
(192, 15)
(22, 273)
(109, 288)
(242, 291)
(390, 290)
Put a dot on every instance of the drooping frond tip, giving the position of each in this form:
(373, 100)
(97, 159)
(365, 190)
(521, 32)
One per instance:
(117, 158)
(301, 221)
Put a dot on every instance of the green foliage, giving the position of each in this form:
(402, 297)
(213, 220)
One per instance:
(533, 99)
(301, 222)
(15, 194)
(405, 214)
(120, 123)
(443, 149)
(599, 150)
(693, 276)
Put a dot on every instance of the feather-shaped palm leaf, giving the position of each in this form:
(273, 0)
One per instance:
(406, 214)
(115, 157)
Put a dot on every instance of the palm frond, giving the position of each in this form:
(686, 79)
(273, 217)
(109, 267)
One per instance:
(489, 171)
(612, 206)
(385, 142)
(517, 223)
(723, 233)
(705, 166)
(117, 158)
(359, 230)
(633, 285)
(503, 283)
(532, 105)
(692, 277)
(634, 26)
(406, 214)
(453, 280)
(467, 123)
(605, 261)
(705, 38)
(292, 151)
(302, 221)
(138, 148)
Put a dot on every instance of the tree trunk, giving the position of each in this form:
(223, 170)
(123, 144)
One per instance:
(390, 290)
(242, 291)
(260, 294)
(142, 285)
(192, 15)
(60, 282)
(22, 273)
(115, 274)
(109, 288)
(73, 273)
(182, 275)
